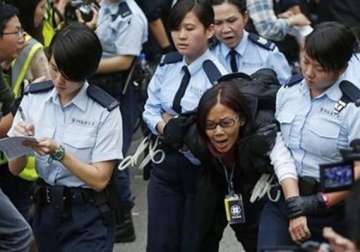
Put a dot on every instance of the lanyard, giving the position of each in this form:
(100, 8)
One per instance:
(229, 179)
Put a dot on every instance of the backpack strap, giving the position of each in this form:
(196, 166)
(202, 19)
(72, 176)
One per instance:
(171, 58)
(102, 98)
(351, 93)
(295, 79)
(39, 87)
(260, 41)
(212, 72)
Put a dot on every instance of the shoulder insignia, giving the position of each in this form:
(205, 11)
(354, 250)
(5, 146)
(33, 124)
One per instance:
(211, 71)
(350, 91)
(39, 87)
(295, 79)
(170, 58)
(124, 10)
(264, 43)
(101, 97)
(214, 42)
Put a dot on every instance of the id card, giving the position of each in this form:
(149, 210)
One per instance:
(234, 209)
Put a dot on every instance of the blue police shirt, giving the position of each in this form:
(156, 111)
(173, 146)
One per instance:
(121, 27)
(86, 130)
(165, 83)
(312, 129)
(352, 71)
(252, 57)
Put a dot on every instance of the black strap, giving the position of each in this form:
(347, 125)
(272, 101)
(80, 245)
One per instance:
(233, 64)
(181, 91)
(102, 98)
(211, 71)
(350, 94)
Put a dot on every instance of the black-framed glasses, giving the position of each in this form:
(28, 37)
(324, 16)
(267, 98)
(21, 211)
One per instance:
(224, 123)
(19, 33)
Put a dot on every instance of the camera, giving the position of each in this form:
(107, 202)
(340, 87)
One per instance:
(340, 176)
(84, 6)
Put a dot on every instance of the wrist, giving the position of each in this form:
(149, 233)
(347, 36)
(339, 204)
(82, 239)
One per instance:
(294, 207)
(58, 154)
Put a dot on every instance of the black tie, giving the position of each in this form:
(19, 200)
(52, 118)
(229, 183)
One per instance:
(181, 91)
(233, 64)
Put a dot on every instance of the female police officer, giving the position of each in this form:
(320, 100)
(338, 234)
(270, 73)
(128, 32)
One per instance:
(314, 134)
(78, 131)
(176, 87)
(240, 51)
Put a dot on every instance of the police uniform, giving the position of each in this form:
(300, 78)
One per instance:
(314, 134)
(253, 53)
(122, 29)
(90, 129)
(172, 186)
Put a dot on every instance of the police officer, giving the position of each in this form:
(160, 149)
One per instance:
(78, 130)
(326, 123)
(122, 29)
(240, 51)
(176, 87)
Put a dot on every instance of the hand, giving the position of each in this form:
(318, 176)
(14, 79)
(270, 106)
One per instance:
(24, 129)
(299, 230)
(337, 242)
(298, 20)
(176, 129)
(92, 23)
(305, 205)
(44, 146)
(167, 117)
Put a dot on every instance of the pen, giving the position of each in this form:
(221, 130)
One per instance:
(22, 114)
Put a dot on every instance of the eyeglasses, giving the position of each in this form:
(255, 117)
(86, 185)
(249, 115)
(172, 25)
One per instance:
(224, 123)
(19, 33)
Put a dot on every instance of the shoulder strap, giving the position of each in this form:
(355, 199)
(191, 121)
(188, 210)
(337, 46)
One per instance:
(101, 97)
(39, 87)
(124, 11)
(211, 71)
(351, 93)
(170, 58)
(260, 41)
(295, 79)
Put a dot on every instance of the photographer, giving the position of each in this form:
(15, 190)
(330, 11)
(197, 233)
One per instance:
(314, 128)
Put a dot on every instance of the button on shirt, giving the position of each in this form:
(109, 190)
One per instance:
(86, 130)
(312, 129)
(251, 57)
(165, 83)
(121, 35)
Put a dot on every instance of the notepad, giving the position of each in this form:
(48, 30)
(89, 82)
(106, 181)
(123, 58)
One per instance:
(13, 146)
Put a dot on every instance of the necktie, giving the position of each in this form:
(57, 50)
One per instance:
(233, 64)
(181, 91)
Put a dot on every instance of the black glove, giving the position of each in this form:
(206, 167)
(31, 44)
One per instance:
(175, 130)
(305, 205)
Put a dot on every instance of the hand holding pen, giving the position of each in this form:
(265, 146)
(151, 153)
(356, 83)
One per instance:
(24, 128)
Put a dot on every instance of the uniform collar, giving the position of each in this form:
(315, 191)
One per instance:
(111, 7)
(80, 100)
(197, 64)
(240, 48)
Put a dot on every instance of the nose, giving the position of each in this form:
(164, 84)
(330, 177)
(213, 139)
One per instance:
(226, 28)
(219, 130)
(59, 79)
(182, 34)
(309, 71)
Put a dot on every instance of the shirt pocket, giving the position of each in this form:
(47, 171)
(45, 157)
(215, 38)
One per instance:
(323, 137)
(286, 121)
(79, 142)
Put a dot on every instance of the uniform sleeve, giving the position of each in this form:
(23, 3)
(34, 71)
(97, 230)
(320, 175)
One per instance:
(266, 23)
(109, 140)
(281, 159)
(131, 39)
(152, 108)
(280, 65)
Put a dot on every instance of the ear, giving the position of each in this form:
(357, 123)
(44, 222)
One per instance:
(245, 17)
(210, 31)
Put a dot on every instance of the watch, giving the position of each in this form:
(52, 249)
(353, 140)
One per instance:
(58, 154)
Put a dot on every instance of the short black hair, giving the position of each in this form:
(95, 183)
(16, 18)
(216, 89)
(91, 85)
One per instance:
(331, 44)
(240, 4)
(201, 8)
(77, 51)
(7, 12)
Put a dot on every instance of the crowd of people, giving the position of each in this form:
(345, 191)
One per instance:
(246, 100)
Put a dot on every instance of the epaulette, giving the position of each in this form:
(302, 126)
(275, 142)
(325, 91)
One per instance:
(39, 87)
(101, 97)
(295, 79)
(170, 58)
(123, 11)
(212, 72)
(264, 43)
(214, 42)
(351, 92)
